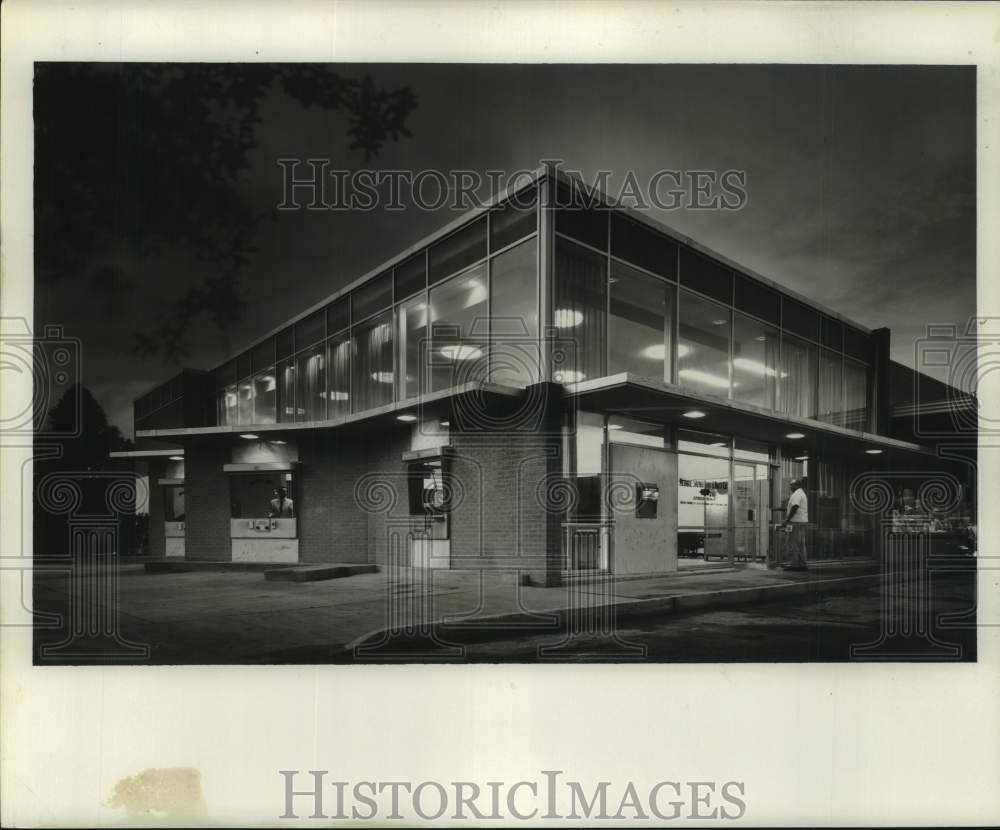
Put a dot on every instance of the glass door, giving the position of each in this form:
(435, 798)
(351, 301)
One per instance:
(751, 511)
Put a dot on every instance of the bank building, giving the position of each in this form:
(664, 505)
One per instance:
(552, 385)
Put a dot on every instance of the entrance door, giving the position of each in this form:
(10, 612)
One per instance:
(751, 511)
(643, 503)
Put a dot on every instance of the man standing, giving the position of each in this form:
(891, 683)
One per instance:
(797, 517)
(281, 505)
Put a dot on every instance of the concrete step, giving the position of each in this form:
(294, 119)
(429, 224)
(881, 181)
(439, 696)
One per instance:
(315, 573)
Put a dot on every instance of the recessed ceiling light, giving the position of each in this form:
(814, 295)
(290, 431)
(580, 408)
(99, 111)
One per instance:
(277, 441)
(445, 423)
(719, 322)
(406, 418)
(717, 444)
(568, 376)
(795, 435)
(694, 413)
(802, 458)
(566, 318)
(249, 436)
(614, 426)
(177, 458)
(873, 452)
(461, 352)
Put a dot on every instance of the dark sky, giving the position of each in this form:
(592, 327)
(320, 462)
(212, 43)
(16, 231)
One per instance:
(861, 186)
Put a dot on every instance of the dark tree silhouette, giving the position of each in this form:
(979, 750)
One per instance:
(93, 437)
(150, 155)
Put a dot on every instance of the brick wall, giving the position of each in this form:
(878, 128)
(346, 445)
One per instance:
(502, 478)
(332, 527)
(206, 497)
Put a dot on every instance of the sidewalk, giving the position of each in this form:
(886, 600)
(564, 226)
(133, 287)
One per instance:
(238, 617)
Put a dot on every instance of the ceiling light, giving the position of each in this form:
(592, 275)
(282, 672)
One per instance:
(873, 452)
(761, 338)
(461, 352)
(706, 378)
(718, 444)
(719, 322)
(566, 318)
(406, 418)
(382, 377)
(177, 458)
(755, 367)
(655, 352)
(249, 436)
(445, 423)
(694, 413)
(614, 426)
(569, 376)
(277, 441)
(795, 435)
(802, 458)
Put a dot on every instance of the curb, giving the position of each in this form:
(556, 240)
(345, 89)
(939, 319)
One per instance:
(499, 626)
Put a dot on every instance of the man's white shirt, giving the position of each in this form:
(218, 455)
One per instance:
(799, 498)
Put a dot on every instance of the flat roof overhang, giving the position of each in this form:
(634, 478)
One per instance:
(164, 453)
(653, 400)
(432, 403)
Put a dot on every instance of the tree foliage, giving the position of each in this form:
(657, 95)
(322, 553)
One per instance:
(149, 156)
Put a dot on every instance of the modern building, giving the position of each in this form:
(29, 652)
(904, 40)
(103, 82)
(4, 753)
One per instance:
(549, 384)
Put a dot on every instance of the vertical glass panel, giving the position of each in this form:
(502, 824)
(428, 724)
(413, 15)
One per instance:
(755, 362)
(580, 216)
(584, 460)
(703, 442)
(244, 395)
(513, 219)
(630, 431)
(338, 315)
(265, 392)
(748, 450)
(310, 387)
(372, 375)
(230, 407)
(831, 334)
(459, 329)
(373, 296)
(286, 391)
(412, 321)
(243, 369)
(638, 323)
(855, 395)
(285, 343)
(410, 276)
(578, 313)
(799, 319)
(831, 389)
(310, 330)
(756, 299)
(857, 344)
(339, 376)
(263, 355)
(703, 345)
(514, 316)
(702, 506)
(643, 246)
(706, 276)
(455, 252)
(798, 377)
